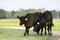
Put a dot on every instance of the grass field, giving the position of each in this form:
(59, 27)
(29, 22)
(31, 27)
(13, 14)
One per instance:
(14, 34)
(56, 24)
(15, 23)
(9, 22)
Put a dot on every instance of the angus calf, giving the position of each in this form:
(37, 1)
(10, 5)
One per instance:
(45, 20)
(29, 20)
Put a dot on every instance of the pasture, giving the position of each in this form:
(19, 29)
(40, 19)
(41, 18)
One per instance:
(15, 23)
(14, 34)
(17, 34)
(9, 22)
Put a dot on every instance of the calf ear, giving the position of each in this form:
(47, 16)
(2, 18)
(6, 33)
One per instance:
(18, 17)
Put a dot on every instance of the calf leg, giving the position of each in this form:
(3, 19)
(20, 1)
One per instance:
(41, 30)
(26, 31)
(50, 30)
(35, 27)
(45, 30)
(38, 31)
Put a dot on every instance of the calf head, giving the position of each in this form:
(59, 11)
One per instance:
(21, 19)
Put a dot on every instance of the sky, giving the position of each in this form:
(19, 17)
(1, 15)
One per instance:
(27, 4)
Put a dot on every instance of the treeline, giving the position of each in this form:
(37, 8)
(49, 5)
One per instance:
(13, 14)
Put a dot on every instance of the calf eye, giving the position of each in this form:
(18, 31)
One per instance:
(25, 19)
(37, 22)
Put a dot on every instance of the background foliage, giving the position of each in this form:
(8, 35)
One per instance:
(21, 12)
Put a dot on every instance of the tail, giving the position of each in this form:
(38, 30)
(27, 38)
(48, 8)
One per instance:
(52, 24)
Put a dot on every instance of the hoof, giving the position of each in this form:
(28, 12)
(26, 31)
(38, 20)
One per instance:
(40, 34)
(45, 33)
(50, 34)
(24, 34)
(37, 33)
(34, 30)
(27, 34)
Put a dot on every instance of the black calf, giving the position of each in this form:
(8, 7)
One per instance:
(45, 20)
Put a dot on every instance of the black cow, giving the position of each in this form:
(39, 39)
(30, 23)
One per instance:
(21, 19)
(45, 19)
(29, 20)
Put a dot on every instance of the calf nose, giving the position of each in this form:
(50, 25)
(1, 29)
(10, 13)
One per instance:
(20, 24)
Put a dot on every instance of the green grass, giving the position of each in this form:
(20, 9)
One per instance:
(15, 22)
(56, 24)
(13, 34)
(9, 22)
